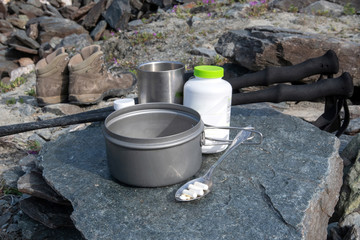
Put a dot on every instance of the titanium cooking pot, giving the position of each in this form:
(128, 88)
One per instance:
(154, 144)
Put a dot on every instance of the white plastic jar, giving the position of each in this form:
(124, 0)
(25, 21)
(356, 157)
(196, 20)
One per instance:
(210, 95)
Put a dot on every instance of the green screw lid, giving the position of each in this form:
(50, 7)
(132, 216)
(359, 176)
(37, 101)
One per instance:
(207, 71)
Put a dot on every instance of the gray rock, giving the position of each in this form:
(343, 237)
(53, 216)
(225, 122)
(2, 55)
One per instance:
(29, 100)
(351, 151)
(349, 200)
(352, 3)
(18, 21)
(27, 41)
(6, 64)
(354, 111)
(3, 204)
(50, 214)
(45, 134)
(12, 228)
(28, 163)
(286, 188)
(5, 218)
(53, 11)
(46, 116)
(32, 183)
(76, 41)
(37, 138)
(11, 176)
(31, 229)
(55, 41)
(26, 109)
(203, 52)
(97, 32)
(6, 28)
(258, 47)
(62, 109)
(35, 3)
(351, 221)
(117, 15)
(24, 49)
(286, 5)
(30, 10)
(135, 23)
(324, 8)
(237, 11)
(55, 27)
(354, 126)
(68, 11)
(3, 38)
(344, 142)
(94, 14)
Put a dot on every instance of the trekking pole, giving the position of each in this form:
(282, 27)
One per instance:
(325, 65)
(341, 86)
(84, 117)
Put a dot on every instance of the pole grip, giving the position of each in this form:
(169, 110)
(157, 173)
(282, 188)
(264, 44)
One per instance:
(326, 65)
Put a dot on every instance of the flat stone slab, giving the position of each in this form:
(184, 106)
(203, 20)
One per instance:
(285, 188)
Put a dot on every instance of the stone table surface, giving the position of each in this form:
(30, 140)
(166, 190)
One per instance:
(285, 188)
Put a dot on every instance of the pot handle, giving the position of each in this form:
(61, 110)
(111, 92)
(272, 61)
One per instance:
(217, 141)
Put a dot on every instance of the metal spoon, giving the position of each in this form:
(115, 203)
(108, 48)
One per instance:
(205, 183)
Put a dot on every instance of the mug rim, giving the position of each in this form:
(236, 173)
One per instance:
(178, 66)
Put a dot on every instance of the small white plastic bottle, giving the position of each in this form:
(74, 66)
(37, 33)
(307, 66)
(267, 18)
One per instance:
(210, 95)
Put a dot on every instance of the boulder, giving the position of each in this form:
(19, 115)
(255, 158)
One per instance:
(286, 5)
(285, 188)
(324, 8)
(50, 27)
(117, 15)
(258, 47)
(94, 14)
(351, 3)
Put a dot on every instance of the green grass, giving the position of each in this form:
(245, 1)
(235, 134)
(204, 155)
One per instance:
(31, 92)
(9, 87)
(11, 101)
(5, 190)
(349, 10)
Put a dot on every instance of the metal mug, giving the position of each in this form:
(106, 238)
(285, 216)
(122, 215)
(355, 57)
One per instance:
(161, 81)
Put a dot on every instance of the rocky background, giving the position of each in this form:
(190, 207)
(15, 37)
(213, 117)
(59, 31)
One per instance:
(281, 32)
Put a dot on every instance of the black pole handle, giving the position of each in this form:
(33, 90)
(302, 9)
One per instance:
(326, 65)
(341, 86)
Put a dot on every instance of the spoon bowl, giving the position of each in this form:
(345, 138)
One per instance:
(179, 192)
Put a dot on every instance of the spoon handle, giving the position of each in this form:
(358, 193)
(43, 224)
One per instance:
(242, 136)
